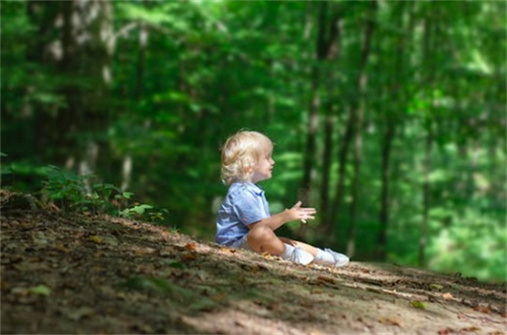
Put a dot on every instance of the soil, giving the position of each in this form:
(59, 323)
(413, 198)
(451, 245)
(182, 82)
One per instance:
(69, 273)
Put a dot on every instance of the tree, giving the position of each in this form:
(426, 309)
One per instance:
(77, 41)
(358, 108)
(393, 116)
(326, 47)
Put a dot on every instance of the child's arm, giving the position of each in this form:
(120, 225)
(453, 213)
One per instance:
(295, 213)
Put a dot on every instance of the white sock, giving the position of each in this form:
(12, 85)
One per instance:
(324, 257)
(296, 255)
(287, 253)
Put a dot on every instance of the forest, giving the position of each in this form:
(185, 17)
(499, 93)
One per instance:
(389, 117)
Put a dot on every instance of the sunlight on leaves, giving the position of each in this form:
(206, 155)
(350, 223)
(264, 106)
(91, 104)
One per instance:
(40, 289)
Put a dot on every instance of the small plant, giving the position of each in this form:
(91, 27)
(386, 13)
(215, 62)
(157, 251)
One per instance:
(74, 193)
(63, 188)
(144, 211)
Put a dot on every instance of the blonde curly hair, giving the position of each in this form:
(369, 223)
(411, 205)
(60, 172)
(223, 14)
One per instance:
(241, 152)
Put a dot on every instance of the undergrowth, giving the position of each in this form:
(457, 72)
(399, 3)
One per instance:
(81, 194)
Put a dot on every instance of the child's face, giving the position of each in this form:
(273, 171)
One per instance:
(263, 169)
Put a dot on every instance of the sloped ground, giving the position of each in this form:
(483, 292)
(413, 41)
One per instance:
(89, 275)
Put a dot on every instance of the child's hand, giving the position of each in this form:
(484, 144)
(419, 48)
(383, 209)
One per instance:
(301, 213)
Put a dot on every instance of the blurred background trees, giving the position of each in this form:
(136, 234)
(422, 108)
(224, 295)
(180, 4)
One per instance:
(388, 116)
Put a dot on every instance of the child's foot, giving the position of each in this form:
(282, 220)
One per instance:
(301, 256)
(340, 259)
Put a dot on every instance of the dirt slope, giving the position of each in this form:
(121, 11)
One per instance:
(78, 274)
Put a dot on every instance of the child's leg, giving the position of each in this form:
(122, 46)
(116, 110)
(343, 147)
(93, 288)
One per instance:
(297, 244)
(263, 239)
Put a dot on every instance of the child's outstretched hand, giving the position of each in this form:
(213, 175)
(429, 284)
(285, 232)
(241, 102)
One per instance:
(301, 213)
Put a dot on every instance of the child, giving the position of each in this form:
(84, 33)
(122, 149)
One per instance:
(244, 220)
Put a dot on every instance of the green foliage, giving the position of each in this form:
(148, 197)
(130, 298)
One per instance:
(77, 193)
(40, 290)
(472, 243)
(145, 211)
(209, 68)
(64, 187)
(418, 304)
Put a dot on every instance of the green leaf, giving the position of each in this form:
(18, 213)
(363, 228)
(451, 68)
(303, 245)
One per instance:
(127, 195)
(418, 304)
(140, 209)
(40, 289)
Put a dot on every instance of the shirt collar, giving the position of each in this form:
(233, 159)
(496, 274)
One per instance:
(257, 189)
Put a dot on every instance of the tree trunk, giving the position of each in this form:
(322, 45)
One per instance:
(77, 38)
(327, 35)
(326, 168)
(343, 151)
(384, 198)
(358, 129)
(392, 121)
(428, 45)
(91, 61)
(311, 132)
(42, 50)
(127, 164)
(423, 239)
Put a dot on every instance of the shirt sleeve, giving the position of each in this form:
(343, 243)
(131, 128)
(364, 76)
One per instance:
(249, 208)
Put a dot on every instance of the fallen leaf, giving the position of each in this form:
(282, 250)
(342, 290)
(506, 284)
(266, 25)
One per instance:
(436, 287)
(390, 321)
(39, 238)
(60, 247)
(78, 314)
(447, 296)
(272, 306)
(418, 304)
(110, 240)
(227, 250)
(445, 331)
(30, 265)
(325, 279)
(482, 309)
(164, 253)
(19, 291)
(190, 246)
(470, 329)
(96, 239)
(145, 251)
(188, 257)
(40, 289)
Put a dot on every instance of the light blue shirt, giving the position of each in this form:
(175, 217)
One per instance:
(244, 204)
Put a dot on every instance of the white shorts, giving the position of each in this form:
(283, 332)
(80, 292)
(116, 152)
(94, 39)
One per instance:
(242, 243)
